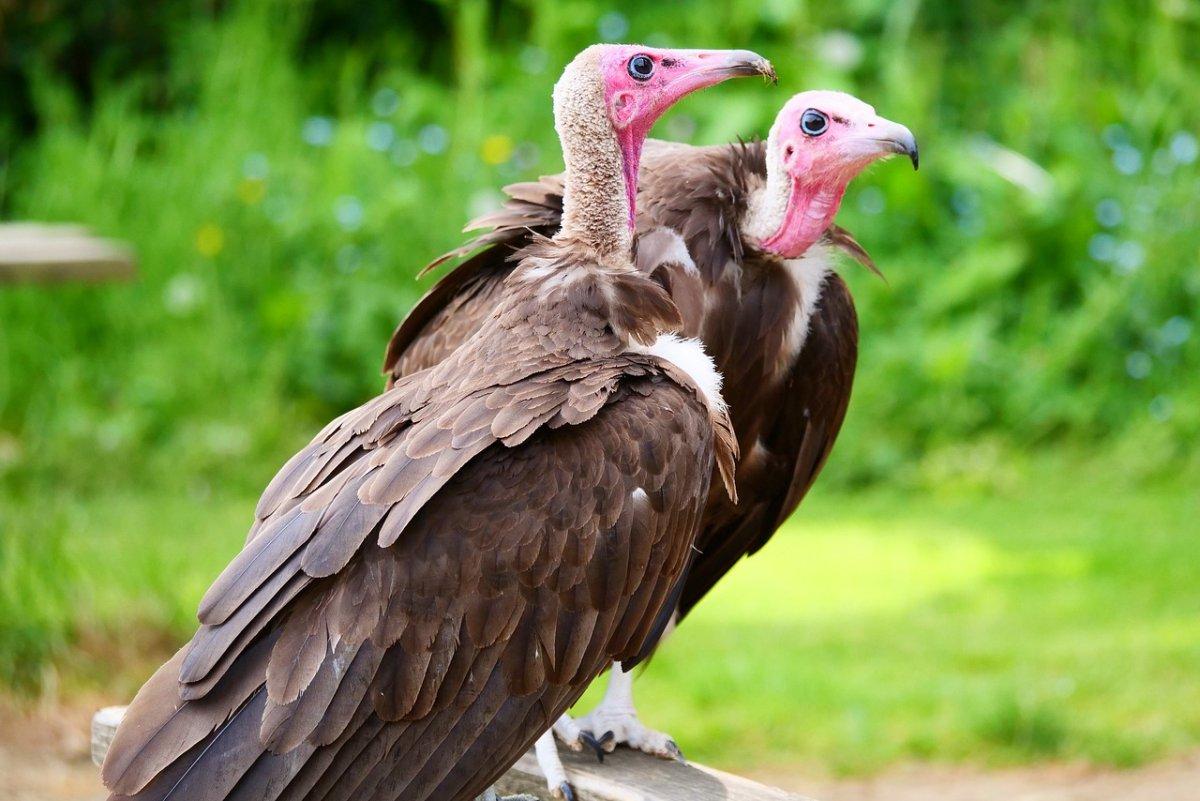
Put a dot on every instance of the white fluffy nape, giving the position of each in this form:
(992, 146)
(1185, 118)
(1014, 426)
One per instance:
(689, 356)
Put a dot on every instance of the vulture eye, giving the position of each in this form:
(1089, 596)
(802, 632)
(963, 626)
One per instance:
(813, 122)
(641, 68)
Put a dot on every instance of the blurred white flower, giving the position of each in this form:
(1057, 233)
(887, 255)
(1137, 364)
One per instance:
(385, 102)
(380, 136)
(1161, 408)
(1102, 247)
(483, 202)
(404, 153)
(871, 200)
(681, 127)
(317, 131)
(612, 26)
(841, 50)
(226, 439)
(255, 166)
(1114, 136)
(1184, 147)
(182, 294)
(348, 211)
(1108, 213)
(1162, 162)
(525, 156)
(1127, 159)
(533, 59)
(1176, 331)
(1138, 365)
(1129, 257)
(348, 258)
(433, 139)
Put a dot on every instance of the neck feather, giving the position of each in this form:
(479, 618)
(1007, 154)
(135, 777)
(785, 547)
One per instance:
(788, 217)
(597, 198)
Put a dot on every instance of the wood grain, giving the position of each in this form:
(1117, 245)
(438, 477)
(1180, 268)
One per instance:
(624, 776)
(38, 253)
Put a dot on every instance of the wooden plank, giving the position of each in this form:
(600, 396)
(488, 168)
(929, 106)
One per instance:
(33, 252)
(632, 776)
(624, 776)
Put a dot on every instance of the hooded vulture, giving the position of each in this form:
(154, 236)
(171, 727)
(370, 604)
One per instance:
(442, 571)
(742, 238)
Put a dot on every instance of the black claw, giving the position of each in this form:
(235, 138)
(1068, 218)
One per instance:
(568, 792)
(606, 739)
(592, 743)
(673, 747)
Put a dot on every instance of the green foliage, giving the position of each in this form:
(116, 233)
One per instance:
(285, 169)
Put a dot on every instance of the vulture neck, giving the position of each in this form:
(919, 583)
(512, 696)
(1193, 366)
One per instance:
(598, 196)
(786, 216)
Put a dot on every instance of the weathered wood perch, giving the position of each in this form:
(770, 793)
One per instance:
(38, 253)
(624, 776)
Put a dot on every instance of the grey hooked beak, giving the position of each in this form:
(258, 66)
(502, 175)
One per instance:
(896, 138)
(738, 64)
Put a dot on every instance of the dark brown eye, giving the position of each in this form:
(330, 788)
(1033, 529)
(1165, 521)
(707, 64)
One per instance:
(813, 122)
(641, 67)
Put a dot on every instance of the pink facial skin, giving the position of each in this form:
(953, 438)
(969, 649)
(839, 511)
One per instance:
(821, 164)
(636, 99)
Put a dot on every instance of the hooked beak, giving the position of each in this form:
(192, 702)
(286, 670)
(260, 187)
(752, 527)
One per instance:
(895, 138)
(703, 68)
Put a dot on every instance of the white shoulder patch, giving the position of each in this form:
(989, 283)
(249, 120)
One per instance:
(689, 356)
(808, 272)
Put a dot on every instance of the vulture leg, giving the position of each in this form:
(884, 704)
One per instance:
(552, 767)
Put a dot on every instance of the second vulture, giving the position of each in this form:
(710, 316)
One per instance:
(742, 237)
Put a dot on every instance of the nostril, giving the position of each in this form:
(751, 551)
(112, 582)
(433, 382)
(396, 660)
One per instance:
(870, 125)
(788, 151)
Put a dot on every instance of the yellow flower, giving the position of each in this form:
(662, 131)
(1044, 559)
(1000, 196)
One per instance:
(497, 149)
(210, 240)
(251, 190)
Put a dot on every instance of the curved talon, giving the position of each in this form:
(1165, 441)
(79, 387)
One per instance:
(566, 792)
(675, 752)
(591, 742)
(608, 741)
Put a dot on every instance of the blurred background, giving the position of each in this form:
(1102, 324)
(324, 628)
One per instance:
(998, 575)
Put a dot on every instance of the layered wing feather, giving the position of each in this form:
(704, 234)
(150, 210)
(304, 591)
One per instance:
(420, 597)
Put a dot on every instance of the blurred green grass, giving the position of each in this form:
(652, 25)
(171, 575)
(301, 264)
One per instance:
(1054, 613)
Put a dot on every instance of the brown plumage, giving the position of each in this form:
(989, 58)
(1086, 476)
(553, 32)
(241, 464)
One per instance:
(787, 405)
(442, 571)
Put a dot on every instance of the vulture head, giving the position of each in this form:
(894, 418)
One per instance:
(820, 141)
(605, 103)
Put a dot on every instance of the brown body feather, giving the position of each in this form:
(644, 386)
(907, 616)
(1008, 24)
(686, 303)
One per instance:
(787, 408)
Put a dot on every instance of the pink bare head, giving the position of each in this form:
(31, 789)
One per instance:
(819, 143)
(636, 85)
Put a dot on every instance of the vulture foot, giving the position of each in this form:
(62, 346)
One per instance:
(622, 727)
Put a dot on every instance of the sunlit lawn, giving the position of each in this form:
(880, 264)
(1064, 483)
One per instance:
(1058, 619)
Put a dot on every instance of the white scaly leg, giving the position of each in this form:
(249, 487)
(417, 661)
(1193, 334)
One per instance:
(546, 752)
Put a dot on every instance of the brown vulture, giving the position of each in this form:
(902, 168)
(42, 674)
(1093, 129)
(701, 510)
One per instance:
(442, 571)
(742, 238)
